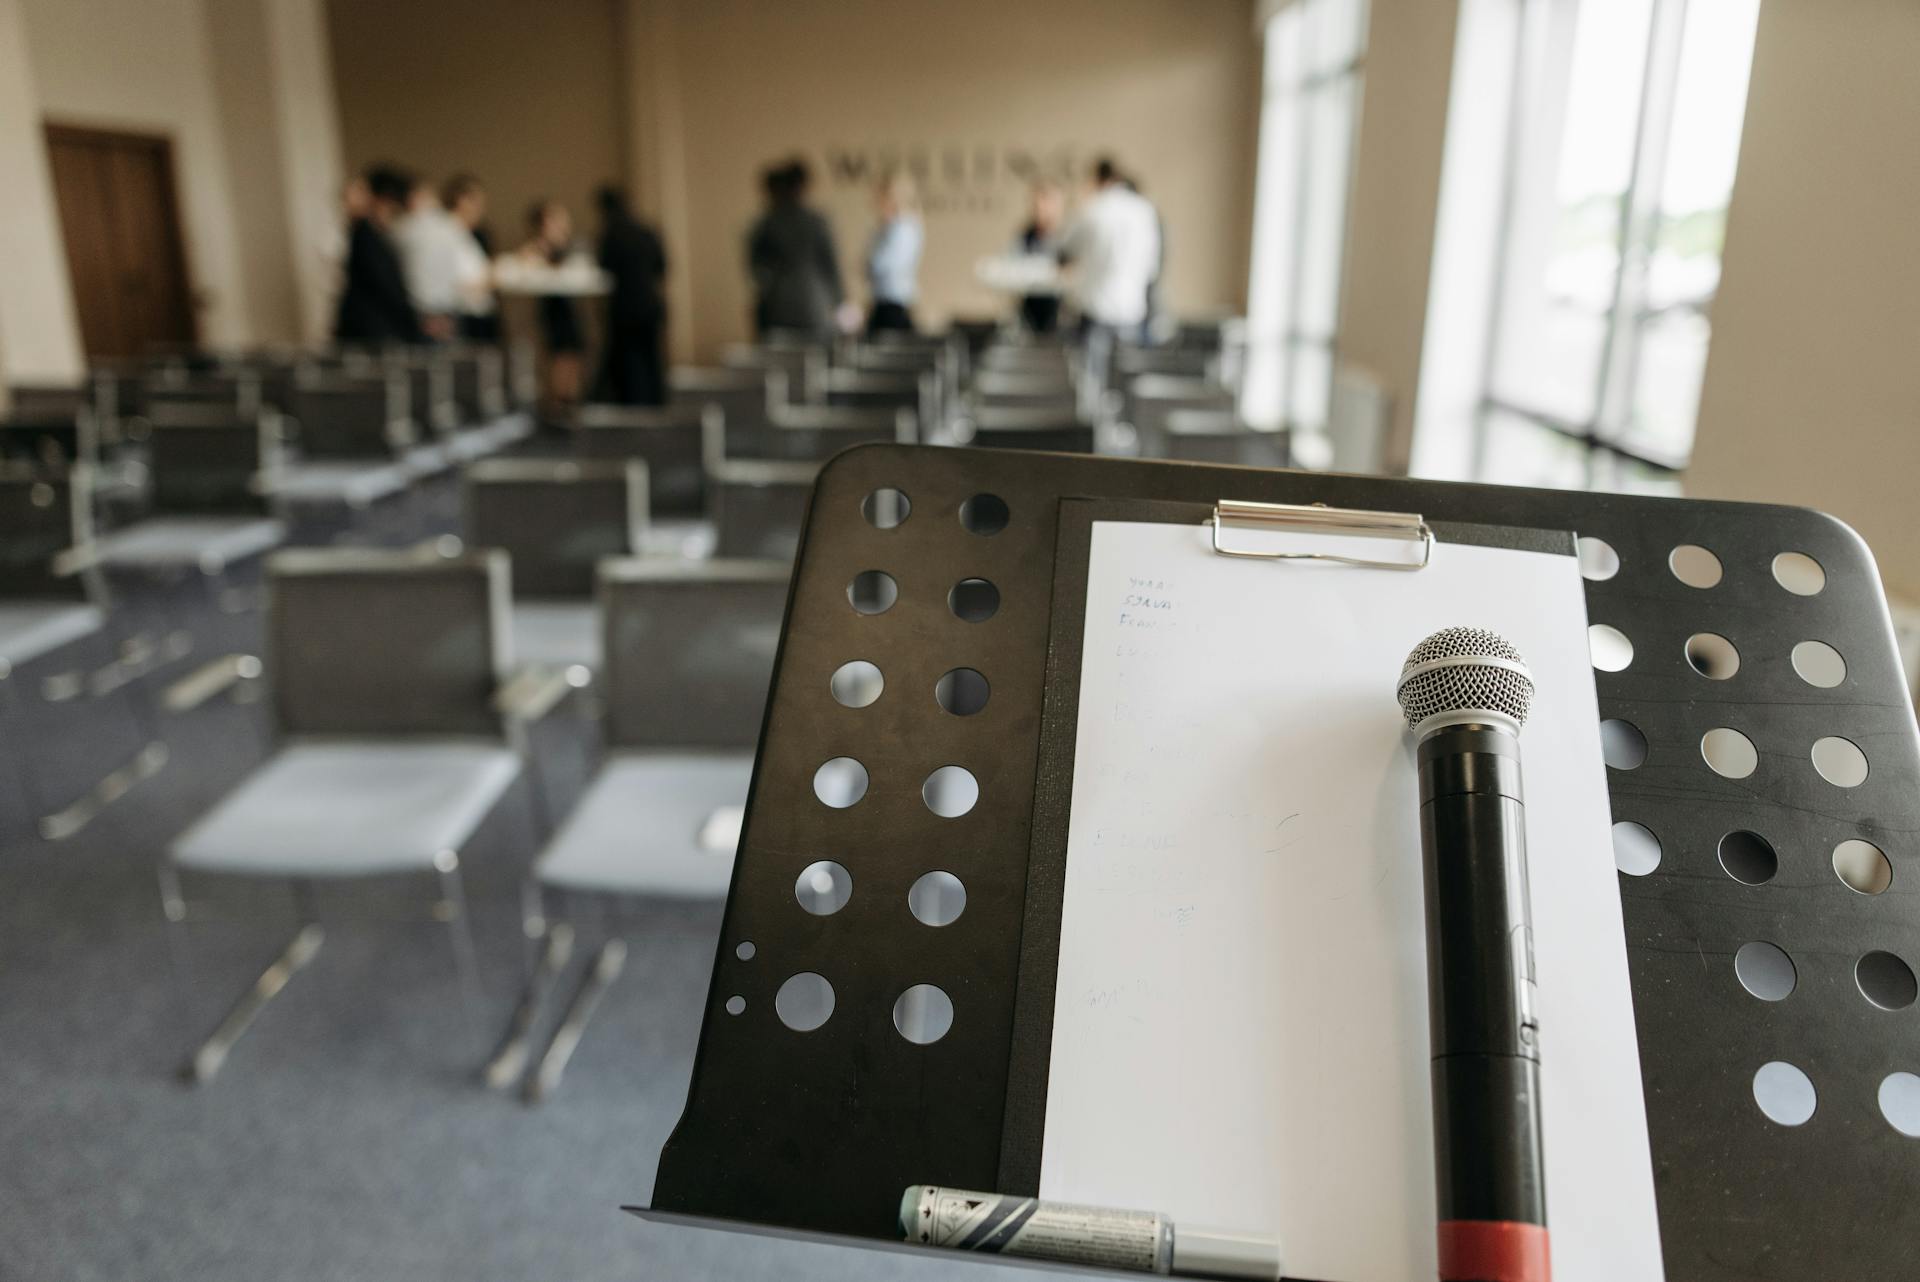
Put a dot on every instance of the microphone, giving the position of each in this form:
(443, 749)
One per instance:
(1465, 693)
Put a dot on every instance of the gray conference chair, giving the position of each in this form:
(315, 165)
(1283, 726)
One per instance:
(52, 433)
(760, 508)
(803, 365)
(1058, 429)
(746, 398)
(690, 655)
(211, 471)
(815, 433)
(236, 390)
(556, 519)
(1149, 398)
(1216, 436)
(674, 441)
(354, 437)
(399, 738)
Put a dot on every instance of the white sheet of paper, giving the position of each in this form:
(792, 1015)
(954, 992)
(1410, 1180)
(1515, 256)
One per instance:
(1240, 1022)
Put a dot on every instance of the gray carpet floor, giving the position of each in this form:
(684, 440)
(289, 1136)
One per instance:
(348, 1136)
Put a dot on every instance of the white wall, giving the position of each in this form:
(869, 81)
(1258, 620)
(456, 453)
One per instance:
(1812, 391)
(39, 332)
(148, 68)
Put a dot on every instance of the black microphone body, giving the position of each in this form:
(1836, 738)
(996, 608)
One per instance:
(1466, 693)
(1485, 1034)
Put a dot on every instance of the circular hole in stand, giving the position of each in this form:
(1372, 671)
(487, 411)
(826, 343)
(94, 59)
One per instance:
(804, 1002)
(937, 899)
(1900, 1103)
(1598, 561)
(736, 1004)
(984, 514)
(1612, 651)
(1765, 971)
(823, 887)
(1622, 745)
(1636, 851)
(1712, 656)
(973, 600)
(950, 791)
(745, 950)
(1885, 980)
(962, 692)
(856, 684)
(886, 508)
(1748, 857)
(840, 782)
(923, 1014)
(873, 591)
(1694, 566)
(1799, 573)
(1730, 753)
(1862, 866)
(1840, 761)
(1784, 1093)
(1819, 664)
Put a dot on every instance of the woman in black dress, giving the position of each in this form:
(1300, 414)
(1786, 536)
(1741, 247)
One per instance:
(561, 333)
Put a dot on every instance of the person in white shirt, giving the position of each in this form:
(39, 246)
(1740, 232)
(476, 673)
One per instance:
(465, 201)
(432, 246)
(1113, 247)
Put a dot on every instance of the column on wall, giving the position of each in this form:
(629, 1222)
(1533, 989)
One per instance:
(39, 330)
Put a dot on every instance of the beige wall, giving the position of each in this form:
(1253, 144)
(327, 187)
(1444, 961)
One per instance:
(39, 333)
(1395, 201)
(149, 68)
(529, 97)
(1812, 389)
(970, 91)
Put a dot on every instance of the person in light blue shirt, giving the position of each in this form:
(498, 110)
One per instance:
(893, 259)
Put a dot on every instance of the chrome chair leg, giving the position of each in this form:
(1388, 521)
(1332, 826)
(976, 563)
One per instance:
(460, 929)
(214, 1051)
(509, 1060)
(593, 985)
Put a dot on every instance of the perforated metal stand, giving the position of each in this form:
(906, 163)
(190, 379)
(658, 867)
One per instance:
(820, 1130)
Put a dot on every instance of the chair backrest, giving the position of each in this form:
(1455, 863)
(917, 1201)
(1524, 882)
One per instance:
(238, 390)
(815, 433)
(1026, 358)
(690, 649)
(1215, 436)
(1130, 362)
(1030, 429)
(1049, 389)
(210, 458)
(1151, 397)
(674, 441)
(746, 398)
(430, 401)
(379, 642)
(556, 519)
(44, 522)
(351, 416)
(48, 436)
(759, 509)
(803, 365)
(479, 383)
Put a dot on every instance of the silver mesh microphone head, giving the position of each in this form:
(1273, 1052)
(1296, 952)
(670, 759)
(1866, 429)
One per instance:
(1461, 675)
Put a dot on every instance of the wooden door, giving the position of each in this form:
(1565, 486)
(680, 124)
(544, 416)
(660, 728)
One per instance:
(125, 255)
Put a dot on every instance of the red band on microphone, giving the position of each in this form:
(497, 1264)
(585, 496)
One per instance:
(1493, 1251)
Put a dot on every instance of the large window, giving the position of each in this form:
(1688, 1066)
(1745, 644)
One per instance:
(1624, 131)
(1310, 103)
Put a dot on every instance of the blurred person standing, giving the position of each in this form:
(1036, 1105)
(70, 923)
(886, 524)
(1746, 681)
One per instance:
(634, 370)
(1046, 211)
(374, 304)
(1113, 247)
(550, 244)
(429, 241)
(893, 258)
(465, 201)
(792, 260)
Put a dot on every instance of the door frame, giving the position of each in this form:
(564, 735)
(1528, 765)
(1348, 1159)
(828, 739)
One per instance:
(57, 131)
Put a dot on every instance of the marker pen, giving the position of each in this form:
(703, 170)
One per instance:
(1144, 1241)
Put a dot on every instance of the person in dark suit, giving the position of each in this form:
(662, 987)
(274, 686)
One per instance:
(634, 369)
(791, 257)
(374, 305)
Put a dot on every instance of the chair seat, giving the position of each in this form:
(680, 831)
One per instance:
(210, 542)
(29, 629)
(423, 461)
(659, 822)
(351, 808)
(356, 485)
(556, 634)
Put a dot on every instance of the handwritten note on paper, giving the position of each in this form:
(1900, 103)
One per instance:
(1240, 1024)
